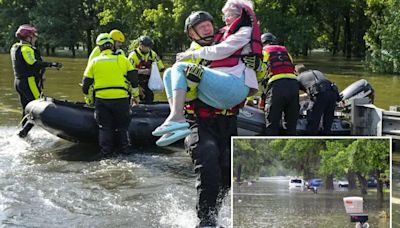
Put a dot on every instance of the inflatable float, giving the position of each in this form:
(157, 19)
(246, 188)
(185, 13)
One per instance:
(75, 121)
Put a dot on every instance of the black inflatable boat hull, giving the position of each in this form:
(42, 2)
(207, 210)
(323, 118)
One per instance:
(75, 122)
(251, 122)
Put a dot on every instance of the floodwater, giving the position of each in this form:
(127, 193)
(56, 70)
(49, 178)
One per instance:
(270, 203)
(48, 182)
(344, 72)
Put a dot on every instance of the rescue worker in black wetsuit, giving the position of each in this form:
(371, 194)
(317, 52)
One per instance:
(142, 59)
(282, 95)
(112, 77)
(324, 94)
(209, 144)
(29, 68)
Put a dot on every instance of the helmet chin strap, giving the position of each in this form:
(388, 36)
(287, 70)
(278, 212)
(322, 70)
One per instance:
(144, 52)
(206, 41)
(29, 40)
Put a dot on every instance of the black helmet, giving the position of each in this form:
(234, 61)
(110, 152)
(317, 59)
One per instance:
(146, 41)
(268, 38)
(197, 17)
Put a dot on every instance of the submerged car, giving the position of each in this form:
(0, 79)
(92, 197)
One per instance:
(372, 183)
(315, 183)
(296, 183)
(343, 183)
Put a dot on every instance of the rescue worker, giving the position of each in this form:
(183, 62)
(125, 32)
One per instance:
(282, 96)
(209, 139)
(111, 76)
(324, 95)
(142, 58)
(119, 40)
(29, 68)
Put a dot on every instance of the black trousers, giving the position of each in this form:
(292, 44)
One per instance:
(324, 107)
(112, 116)
(210, 148)
(25, 96)
(282, 98)
(148, 95)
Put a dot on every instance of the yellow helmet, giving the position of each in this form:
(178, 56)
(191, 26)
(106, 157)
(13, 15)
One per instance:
(104, 38)
(117, 35)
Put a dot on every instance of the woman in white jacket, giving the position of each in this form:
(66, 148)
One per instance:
(222, 85)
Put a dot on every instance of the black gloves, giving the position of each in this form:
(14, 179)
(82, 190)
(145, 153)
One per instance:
(252, 61)
(56, 65)
(194, 73)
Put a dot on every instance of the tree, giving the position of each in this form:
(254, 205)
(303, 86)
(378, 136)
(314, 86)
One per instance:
(381, 38)
(301, 155)
(13, 14)
(250, 155)
(371, 156)
(59, 27)
(335, 161)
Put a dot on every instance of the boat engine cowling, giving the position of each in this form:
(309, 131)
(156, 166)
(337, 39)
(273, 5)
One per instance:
(359, 89)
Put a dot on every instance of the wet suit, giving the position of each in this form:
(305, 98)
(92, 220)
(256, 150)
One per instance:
(210, 148)
(28, 69)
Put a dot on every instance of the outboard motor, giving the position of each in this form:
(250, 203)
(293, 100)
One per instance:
(358, 89)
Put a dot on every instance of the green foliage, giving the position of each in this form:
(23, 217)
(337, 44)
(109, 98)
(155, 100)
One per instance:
(12, 14)
(335, 25)
(301, 155)
(312, 157)
(252, 155)
(335, 159)
(57, 26)
(382, 37)
(362, 156)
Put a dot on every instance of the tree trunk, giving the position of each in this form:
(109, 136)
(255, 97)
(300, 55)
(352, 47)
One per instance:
(72, 48)
(329, 183)
(47, 49)
(305, 49)
(347, 36)
(379, 189)
(89, 41)
(351, 177)
(363, 183)
(239, 173)
(335, 36)
(53, 50)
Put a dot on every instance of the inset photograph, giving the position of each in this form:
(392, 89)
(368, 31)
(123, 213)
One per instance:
(396, 185)
(311, 182)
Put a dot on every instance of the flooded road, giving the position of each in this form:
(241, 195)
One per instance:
(270, 203)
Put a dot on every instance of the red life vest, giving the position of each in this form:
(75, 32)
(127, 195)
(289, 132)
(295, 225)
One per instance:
(201, 110)
(247, 18)
(143, 64)
(278, 61)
